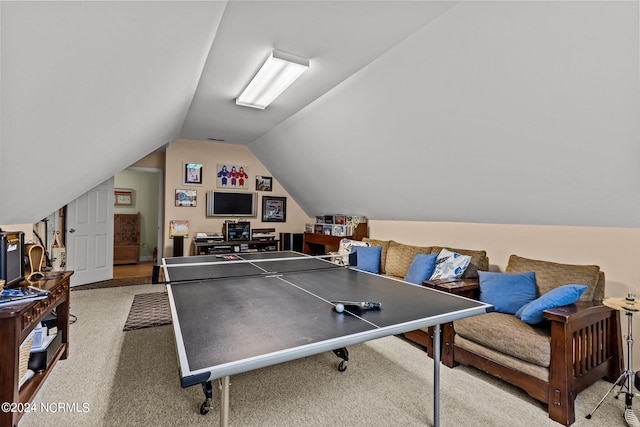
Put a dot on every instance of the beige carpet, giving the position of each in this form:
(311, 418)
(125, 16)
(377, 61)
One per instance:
(119, 378)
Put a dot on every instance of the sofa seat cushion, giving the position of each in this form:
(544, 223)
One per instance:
(503, 359)
(479, 260)
(550, 275)
(385, 246)
(507, 334)
(400, 256)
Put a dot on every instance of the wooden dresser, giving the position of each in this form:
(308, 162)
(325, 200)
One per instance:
(16, 323)
(126, 238)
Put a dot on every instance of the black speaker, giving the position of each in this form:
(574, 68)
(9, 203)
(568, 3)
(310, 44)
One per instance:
(155, 275)
(12, 257)
(178, 245)
(291, 241)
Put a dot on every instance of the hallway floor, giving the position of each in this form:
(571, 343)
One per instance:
(128, 271)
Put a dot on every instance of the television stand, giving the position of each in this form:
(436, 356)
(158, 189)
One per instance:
(235, 246)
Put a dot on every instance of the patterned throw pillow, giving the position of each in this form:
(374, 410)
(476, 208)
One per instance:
(450, 265)
(345, 249)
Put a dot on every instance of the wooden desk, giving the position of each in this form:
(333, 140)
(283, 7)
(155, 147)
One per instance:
(16, 322)
(320, 244)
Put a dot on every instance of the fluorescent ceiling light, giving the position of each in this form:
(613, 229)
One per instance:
(278, 72)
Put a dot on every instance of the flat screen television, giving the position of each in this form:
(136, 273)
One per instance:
(228, 203)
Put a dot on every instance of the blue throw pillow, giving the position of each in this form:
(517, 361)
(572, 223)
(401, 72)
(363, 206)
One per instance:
(421, 268)
(507, 292)
(562, 295)
(368, 258)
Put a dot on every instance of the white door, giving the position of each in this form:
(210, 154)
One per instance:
(89, 237)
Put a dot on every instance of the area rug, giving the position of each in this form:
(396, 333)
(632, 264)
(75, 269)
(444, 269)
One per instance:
(147, 311)
(113, 283)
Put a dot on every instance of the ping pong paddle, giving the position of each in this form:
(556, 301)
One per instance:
(364, 305)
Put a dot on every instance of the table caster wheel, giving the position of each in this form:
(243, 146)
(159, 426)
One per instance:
(205, 408)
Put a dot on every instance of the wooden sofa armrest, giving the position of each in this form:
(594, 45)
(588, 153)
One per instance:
(579, 311)
(586, 345)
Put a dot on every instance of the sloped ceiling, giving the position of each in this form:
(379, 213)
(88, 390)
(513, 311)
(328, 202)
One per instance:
(499, 112)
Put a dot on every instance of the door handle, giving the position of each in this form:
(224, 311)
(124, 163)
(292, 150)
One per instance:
(73, 230)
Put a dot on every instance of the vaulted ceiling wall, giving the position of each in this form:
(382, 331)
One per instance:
(496, 112)
(88, 89)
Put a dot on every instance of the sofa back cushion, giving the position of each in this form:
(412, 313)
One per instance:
(383, 255)
(550, 275)
(479, 260)
(400, 256)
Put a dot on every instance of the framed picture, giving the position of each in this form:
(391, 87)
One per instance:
(232, 176)
(192, 173)
(178, 227)
(123, 197)
(264, 183)
(186, 198)
(274, 209)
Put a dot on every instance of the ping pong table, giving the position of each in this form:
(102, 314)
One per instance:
(233, 314)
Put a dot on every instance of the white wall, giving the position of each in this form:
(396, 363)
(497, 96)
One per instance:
(210, 154)
(496, 112)
(88, 88)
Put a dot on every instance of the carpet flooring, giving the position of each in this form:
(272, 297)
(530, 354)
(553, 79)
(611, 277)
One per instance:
(148, 310)
(118, 378)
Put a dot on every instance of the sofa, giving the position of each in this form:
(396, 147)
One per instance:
(554, 360)
(396, 259)
(572, 347)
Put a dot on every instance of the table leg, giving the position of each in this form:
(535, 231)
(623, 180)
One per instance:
(224, 402)
(436, 376)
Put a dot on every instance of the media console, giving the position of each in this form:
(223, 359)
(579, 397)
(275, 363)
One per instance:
(235, 246)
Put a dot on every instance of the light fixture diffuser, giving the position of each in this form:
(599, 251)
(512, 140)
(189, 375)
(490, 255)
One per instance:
(277, 73)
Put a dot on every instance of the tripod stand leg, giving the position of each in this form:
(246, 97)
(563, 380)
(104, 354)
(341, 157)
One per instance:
(621, 377)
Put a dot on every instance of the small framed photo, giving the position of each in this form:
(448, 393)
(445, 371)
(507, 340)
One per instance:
(274, 209)
(186, 197)
(123, 197)
(192, 173)
(178, 228)
(264, 183)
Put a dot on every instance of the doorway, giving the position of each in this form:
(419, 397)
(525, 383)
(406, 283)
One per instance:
(146, 187)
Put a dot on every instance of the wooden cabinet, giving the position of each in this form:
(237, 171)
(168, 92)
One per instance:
(126, 238)
(16, 323)
(320, 244)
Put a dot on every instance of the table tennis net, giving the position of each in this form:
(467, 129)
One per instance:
(194, 271)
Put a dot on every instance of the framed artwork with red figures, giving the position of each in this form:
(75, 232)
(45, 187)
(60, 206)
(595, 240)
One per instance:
(232, 176)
